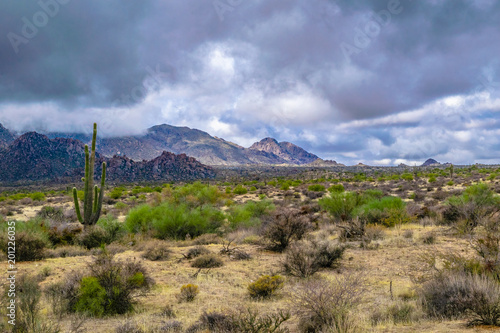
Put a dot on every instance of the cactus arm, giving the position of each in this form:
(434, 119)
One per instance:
(77, 205)
(96, 193)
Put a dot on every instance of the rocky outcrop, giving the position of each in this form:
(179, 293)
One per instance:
(431, 162)
(286, 151)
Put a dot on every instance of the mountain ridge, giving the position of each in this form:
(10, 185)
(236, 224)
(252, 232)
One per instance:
(207, 149)
(36, 157)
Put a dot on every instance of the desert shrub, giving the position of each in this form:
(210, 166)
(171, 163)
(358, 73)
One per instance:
(239, 189)
(207, 239)
(374, 232)
(316, 188)
(174, 221)
(188, 292)
(113, 228)
(207, 261)
(171, 326)
(352, 230)
(128, 327)
(28, 317)
(429, 238)
(196, 251)
(116, 193)
(323, 306)
(388, 211)
(476, 202)
(303, 259)
(156, 251)
(249, 214)
(29, 245)
(408, 234)
(457, 295)
(336, 188)
(248, 321)
(284, 226)
(251, 322)
(92, 237)
(52, 213)
(402, 313)
(66, 251)
(111, 287)
(265, 286)
(341, 205)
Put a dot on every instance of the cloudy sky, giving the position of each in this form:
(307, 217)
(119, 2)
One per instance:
(381, 82)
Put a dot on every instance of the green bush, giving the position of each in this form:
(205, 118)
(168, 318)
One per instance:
(239, 189)
(316, 188)
(407, 176)
(265, 286)
(336, 188)
(388, 211)
(110, 288)
(477, 201)
(174, 221)
(116, 193)
(341, 205)
(91, 297)
(249, 214)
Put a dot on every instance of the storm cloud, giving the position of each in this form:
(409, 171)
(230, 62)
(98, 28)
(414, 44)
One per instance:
(379, 82)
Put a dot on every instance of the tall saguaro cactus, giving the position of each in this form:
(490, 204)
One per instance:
(92, 201)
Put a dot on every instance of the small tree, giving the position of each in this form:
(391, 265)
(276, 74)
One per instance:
(92, 202)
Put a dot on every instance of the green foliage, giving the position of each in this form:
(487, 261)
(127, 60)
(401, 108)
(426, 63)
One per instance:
(341, 205)
(91, 297)
(239, 189)
(116, 193)
(388, 211)
(37, 196)
(477, 202)
(266, 286)
(110, 288)
(407, 176)
(316, 188)
(253, 189)
(248, 214)
(336, 188)
(174, 221)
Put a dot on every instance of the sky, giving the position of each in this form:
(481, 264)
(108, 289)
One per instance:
(381, 82)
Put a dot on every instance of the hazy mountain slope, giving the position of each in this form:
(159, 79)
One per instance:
(287, 151)
(198, 144)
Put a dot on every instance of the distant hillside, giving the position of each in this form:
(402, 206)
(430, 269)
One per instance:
(286, 151)
(35, 157)
(324, 163)
(430, 162)
(198, 144)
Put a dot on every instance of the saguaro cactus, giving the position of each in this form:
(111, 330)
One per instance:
(92, 201)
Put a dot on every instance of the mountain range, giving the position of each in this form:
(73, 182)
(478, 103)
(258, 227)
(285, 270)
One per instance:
(35, 157)
(205, 148)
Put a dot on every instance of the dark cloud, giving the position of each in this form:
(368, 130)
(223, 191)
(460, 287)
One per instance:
(296, 69)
